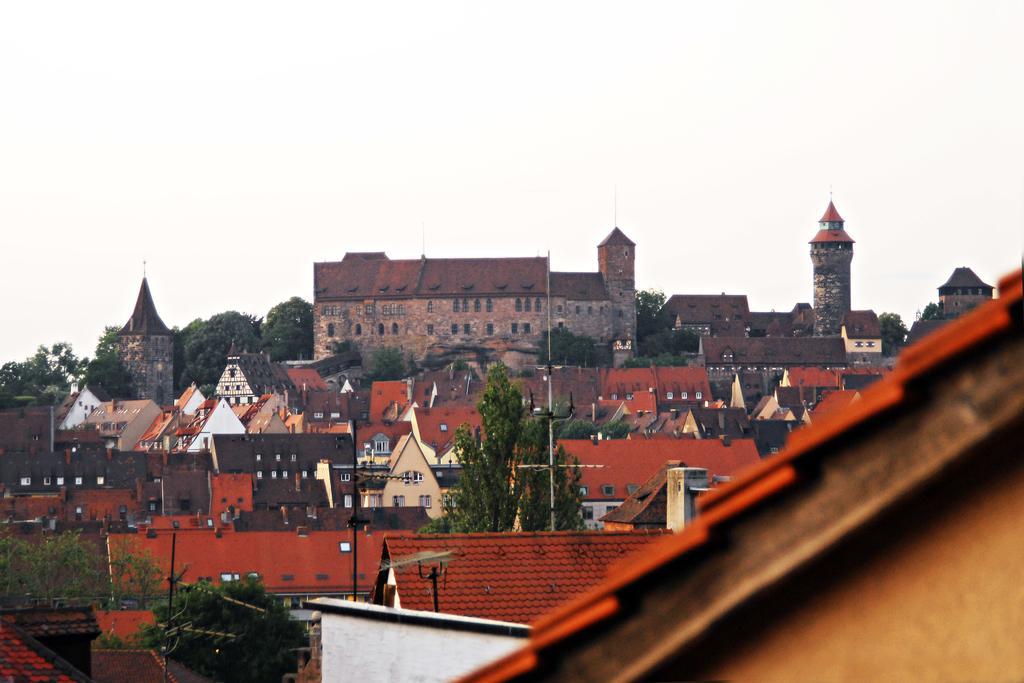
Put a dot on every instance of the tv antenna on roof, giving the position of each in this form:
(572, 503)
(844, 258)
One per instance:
(437, 569)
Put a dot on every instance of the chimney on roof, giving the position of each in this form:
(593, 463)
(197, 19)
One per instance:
(683, 485)
(594, 439)
(67, 456)
(726, 440)
(298, 482)
(110, 454)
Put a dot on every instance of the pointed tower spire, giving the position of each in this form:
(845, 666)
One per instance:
(736, 401)
(145, 320)
(831, 214)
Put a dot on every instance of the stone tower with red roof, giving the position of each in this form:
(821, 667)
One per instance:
(146, 348)
(615, 260)
(831, 254)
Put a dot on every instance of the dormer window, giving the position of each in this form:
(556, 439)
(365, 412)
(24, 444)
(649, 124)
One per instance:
(444, 427)
(698, 396)
(26, 481)
(100, 480)
(669, 395)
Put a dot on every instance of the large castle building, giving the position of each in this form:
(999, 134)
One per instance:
(439, 309)
(831, 254)
(146, 348)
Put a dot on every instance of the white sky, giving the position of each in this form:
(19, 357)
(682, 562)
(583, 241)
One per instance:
(231, 145)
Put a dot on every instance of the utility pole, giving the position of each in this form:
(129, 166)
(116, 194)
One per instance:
(551, 407)
(171, 580)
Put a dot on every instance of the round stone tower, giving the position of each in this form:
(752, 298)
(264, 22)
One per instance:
(831, 254)
(146, 348)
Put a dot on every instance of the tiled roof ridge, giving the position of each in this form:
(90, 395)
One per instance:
(520, 535)
(769, 477)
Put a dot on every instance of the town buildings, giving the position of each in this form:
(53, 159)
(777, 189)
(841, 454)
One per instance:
(487, 309)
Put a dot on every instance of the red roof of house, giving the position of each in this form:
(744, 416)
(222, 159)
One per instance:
(22, 658)
(139, 666)
(383, 394)
(831, 215)
(768, 479)
(835, 401)
(124, 624)
(513, 577)
(230, 490)
(101, 503)
(626, 462)
(430, 422)
(677, 380)
(286, 561)
(306, 379)
(831, 236)
(813, 377)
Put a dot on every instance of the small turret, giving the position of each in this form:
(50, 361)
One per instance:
(831, 254)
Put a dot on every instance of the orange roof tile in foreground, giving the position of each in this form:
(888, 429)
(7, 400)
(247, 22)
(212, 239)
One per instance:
(758, 484)
(22, 658)
(514, 577)
(287, 562)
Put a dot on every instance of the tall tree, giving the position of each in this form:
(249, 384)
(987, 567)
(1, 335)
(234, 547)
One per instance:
(651, 316)
(288, 330)
(535, 484)
(43, 378)
(567, 348)
(106, 369)
(932, 311)
(264, 639)
(387, 364)
(894, 332)
(487, 495)
(134, 573)
(207, 344)
(50, 567)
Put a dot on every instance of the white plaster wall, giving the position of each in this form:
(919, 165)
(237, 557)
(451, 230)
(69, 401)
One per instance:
(85, 403)
(222, 421)
(356, 649)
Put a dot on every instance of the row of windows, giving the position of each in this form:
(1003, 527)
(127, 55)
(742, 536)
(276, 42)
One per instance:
(860, 344)
(669, 395)
(399, 501)
(47, 481)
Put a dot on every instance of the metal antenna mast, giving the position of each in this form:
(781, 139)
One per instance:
(551, 408)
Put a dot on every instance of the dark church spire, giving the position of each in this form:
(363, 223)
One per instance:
(145, 320)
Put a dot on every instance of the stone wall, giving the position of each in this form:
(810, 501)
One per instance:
(831, 289)
(150, 361)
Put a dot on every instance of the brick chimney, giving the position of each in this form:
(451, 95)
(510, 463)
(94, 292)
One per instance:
(298, 482)
(67, 456)
(683, 485)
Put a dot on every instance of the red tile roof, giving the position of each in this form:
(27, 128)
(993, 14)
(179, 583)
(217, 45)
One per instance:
(992, 320)
(383, 395)
(124, 624)
(835, 401)
(813, 377)
(430, 420)
(307, 379)
(230, 490)
(831, 215)
(632, 461)
(138, 666)
(22, 658)
(831, 236)
(286, 561)
(513, 577)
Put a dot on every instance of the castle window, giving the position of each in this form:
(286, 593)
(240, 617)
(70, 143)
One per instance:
(476, 305)
(527, 303)
(455, 305)
(359, 329)
(380, 329)
(394, 328)
(577, 310)
(330, 329)
(536, 304)
(515, 328)
(368, 310)
(559, 308)
(526, 328)
(465, 305)
(590, 310)
(455, 328)
(490, 329)
(519, 304)
(430, 307)
(490, 305)
(465, 328)
(430, 329)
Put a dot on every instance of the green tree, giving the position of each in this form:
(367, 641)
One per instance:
(933, 311)
(264, 639)
(651, 316)
(207, 345)
(894, 332)
(387, 364)
(617, 429)
(487, 495)
(134, 573)
(535, 483)
(50, 567)
(438, 525)
(106, 369)
(566, 349)
(288, 330)
(41, 379)
(576, 429)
